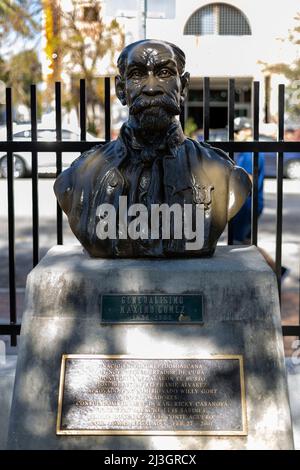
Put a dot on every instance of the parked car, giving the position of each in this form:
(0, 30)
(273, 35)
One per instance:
(291, 160)
(291, 163)
(46, 160)
(215, 135)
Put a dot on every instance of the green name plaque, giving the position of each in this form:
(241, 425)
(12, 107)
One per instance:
(151, 308)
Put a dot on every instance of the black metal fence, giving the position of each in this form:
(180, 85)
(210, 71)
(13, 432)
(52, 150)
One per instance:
(279, 146)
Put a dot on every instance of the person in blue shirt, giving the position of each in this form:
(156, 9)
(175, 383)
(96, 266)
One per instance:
(241, 223)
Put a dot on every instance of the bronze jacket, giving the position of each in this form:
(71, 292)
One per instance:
(193, 172)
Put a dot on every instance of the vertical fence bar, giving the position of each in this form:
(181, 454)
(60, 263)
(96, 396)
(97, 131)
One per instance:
(254, 204)
(279, 175)
(231, 91)
(230, 120)
(82, 109)
(59, 225)
(34, 178)
(206, 113)
(11, 218)
(182, 117)
(107, 108)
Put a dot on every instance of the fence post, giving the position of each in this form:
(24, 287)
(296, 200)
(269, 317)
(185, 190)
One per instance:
(34, 176)
(59, 220)
(279, 180)
(11, 217)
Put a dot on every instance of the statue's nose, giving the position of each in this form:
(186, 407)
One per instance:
(151, 86)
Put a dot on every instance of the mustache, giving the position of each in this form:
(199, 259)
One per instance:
(165, 102)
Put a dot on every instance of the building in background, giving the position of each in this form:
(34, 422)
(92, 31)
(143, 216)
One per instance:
(221, 40)
(226, 39)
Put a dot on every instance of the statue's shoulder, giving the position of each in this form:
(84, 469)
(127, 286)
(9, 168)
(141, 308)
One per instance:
(223, 173)
(209, 152)
(99, 152)
(210, 159)
(213, 157)
(87, 154)
(83, 170)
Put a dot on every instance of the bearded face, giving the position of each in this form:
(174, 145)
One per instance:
(154, 113)
(151, 86)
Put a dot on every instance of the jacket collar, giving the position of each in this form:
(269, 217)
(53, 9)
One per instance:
(172, 141)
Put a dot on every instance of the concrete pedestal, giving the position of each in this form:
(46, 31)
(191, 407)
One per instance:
(241, 316)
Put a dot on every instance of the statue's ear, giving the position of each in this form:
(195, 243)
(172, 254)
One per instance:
(185, 81)
(120, 89)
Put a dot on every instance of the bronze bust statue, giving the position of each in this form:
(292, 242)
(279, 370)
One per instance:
(151, 166)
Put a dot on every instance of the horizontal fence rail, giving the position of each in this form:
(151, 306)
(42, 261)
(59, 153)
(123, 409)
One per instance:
(81, 146)
(255, 146)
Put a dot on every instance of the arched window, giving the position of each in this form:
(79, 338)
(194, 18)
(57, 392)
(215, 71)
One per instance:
(218, 18)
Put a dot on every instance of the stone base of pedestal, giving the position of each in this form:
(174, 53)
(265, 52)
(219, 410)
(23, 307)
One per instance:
(241, 317)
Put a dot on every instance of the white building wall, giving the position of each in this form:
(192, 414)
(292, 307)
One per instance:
(220, 57)
(229, 56)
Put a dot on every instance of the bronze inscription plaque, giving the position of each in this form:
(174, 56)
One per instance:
(124, 395)
(151, 308)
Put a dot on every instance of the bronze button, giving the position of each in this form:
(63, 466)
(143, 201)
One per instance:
(113, 181)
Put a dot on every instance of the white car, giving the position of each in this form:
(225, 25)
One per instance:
(46, 160)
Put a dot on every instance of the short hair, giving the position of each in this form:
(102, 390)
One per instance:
(179, 54)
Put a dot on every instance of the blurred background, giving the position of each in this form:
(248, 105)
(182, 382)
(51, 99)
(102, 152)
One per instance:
(43, 41)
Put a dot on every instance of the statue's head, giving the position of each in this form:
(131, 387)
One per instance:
(152, 82)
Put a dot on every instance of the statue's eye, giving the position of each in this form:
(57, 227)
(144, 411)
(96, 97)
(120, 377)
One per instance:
(164, 73)
(136, 74)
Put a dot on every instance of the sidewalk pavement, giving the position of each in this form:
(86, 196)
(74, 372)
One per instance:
(7, 377)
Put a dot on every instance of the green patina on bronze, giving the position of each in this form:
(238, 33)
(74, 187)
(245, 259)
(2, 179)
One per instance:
(148, 308)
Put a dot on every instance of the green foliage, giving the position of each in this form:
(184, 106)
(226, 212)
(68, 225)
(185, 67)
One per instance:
(82, 46)
(18, 16)
(4, 72)
(77, 39)
(292, 72)
(190, 127)
(19, 72)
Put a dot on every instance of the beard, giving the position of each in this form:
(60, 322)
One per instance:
(154, 114)
(155, 119)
